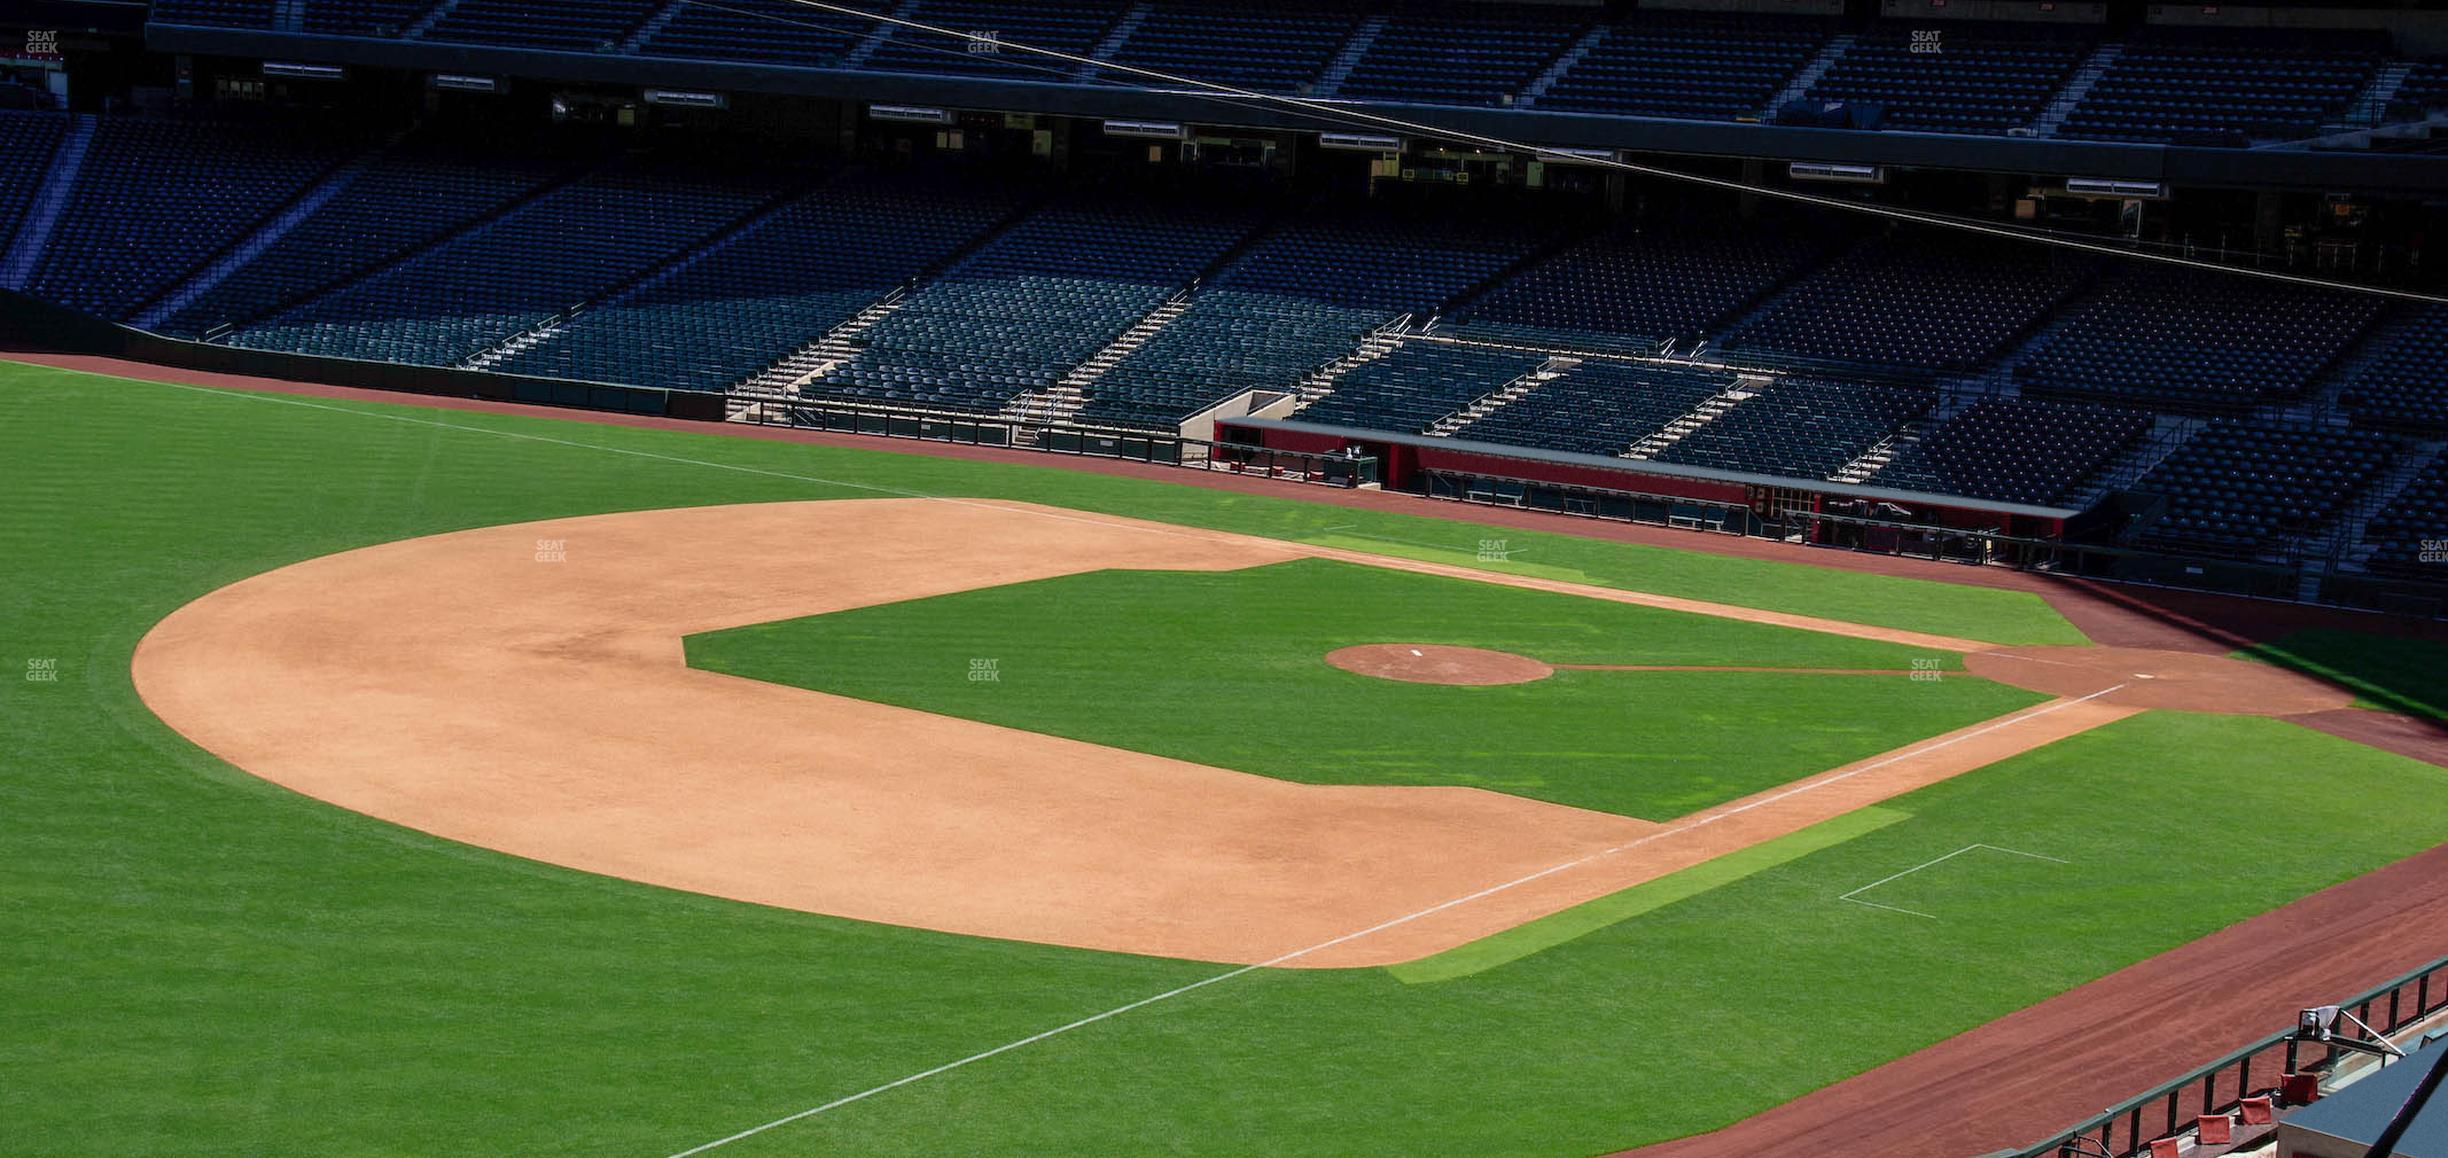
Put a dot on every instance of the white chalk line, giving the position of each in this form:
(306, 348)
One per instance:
(1566, 866)
(1855, 895)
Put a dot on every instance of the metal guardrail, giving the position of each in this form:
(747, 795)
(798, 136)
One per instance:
(2127, 1129)
(1152, 447)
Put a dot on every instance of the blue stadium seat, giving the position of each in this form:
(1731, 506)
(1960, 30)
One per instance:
(1600, 406)
(512, 273)
(769, 289)
(1462, 54)
(2240, 489)
(120, 242)
(1692, 66)
(2016, 450)
(2194, 340)
(1418, 383)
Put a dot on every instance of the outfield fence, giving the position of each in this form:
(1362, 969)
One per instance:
(2127, 1129)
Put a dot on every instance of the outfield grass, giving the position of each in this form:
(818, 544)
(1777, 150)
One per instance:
(193, 961)
(1228, 669)
(2390, 672)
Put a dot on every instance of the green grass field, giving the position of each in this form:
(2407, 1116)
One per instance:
(1228, 669)
(197, 962)
(2393, 673)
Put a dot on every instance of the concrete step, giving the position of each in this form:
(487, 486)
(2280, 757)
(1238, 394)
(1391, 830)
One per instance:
(2053, 116)
(50, 200)
(1501, 397)
(1745, 386)
(1554, 72)
(795, 370)
(1340, 69)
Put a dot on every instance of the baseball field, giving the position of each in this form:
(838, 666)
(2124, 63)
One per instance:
(378, 778)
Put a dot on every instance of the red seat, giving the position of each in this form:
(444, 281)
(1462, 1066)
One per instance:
(2215, 1129)
(2165, 1148)
(2256, 1112)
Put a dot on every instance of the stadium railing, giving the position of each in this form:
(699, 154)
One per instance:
(2127, 1129)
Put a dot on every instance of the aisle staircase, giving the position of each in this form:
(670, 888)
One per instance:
(1058, 403)
(68, 160)
(1113, 42)
(1745, 387)
(1547, 371)
(2076, 88)
(1800, 86)
(1375, 344)
(818, 358)
(1875, 459)
(1348, 59)
(1554, 72)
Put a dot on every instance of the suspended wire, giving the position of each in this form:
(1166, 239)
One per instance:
(1354, 117)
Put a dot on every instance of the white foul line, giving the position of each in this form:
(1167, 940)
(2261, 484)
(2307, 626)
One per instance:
(1661, 834)
(1855, 896)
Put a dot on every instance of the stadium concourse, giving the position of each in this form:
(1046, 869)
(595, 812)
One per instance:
(1549, 493)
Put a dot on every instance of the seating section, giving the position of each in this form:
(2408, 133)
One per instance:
(403, 202)
(2169, 84)
(214, 13)
(766, 31)
(594, 26)
(1800, 428)
(2195, 340)
(767, 290)
(512, 274)
(120, 241)
(2417, 516)
(1269, 47)
(2016, 450)
(1664, 280)
(1418, 383)
(1301, 297)
(28, 139)
(1916, 300)
(1072, 26)
(2197, 87)
(1038, 300)
(1693, 66)
(2239, 489)
(2405, 386)
(1955, 76)
(1601, 406)
(2426, 87)
(385, 18)
(1462, 54)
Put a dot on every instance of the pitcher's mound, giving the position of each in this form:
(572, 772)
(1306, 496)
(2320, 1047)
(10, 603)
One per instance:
(1436, 663)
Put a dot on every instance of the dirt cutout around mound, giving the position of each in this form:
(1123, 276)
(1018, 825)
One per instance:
(523, 688)
(1437, 663)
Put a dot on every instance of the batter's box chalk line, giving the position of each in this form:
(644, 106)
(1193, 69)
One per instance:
(1856, 898)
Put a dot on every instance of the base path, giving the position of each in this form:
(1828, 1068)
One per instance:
(524, 688)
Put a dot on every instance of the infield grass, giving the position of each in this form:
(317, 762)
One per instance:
(1228, 669)
(193, 961)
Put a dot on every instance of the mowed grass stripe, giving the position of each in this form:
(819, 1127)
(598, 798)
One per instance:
(1589, 917)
